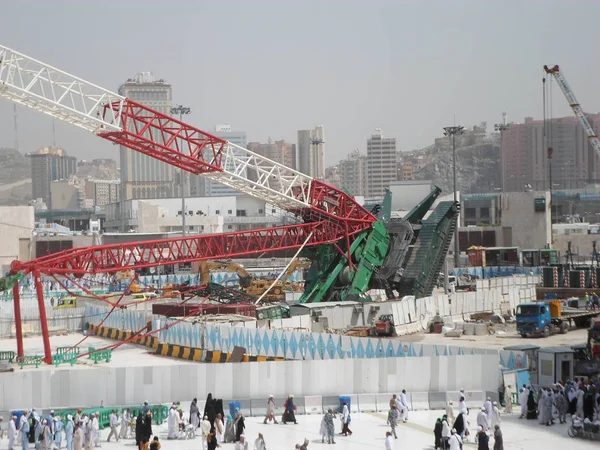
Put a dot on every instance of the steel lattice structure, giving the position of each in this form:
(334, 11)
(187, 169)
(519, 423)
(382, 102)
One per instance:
(329, 215)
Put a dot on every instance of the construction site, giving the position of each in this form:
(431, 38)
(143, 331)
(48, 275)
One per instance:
(362, 290)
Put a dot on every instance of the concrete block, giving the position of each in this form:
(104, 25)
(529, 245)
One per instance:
(475, 399)
(367, 402)
(300, 405)
(383, 402)
(418, 400)
(258, 408)
(313, 404)
(331, 401)
(437, 400)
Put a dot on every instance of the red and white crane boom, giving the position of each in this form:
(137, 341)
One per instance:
(574, 104)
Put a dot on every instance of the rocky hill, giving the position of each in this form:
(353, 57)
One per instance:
(477, 168)
(15, 177)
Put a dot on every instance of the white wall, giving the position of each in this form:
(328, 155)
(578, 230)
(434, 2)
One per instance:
(530, 229)
(17, 223)
(108, 385)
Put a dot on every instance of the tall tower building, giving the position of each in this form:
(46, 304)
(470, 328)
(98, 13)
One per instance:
(525, 163)
(141, 175)
(311, 152)
(49, 164)
(202, 186)
(381, 164)
(353, 173)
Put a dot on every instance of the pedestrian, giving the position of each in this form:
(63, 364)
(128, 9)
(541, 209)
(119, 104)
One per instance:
(12, 432)
(290, 409)
(330, 424)
(498, 441)
(523, 397)
(437, 434)
(78, 437)
(450, 412)
(155, 444)
(259, 443)
(346, 419)
(482, 419)
(389, 442)
(483, 439)
(241, 444)
(240, 425)
(219, 429)
(495, 414)
(205, 428)
(69, 430)
(304, 446)
(404, 406)
(393, 420)
(270, 414)
(211, 441)
(58, 429)
(455, 441)
(446, 433)
(113, 421)
(508, 399)
(195, 415)
(125, 420)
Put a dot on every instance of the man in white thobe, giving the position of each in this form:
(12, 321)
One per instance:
(96, 430)
(404, 405)
(173, 423)
(482, 419)
(389, 441)
(523, 397)
(488, 411)
(12, 432)
(205, 427)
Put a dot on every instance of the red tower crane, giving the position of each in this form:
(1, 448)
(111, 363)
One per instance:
(326, 214)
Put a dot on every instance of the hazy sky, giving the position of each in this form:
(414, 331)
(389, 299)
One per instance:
(273, 67)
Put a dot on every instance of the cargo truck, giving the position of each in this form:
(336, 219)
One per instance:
(550, 317)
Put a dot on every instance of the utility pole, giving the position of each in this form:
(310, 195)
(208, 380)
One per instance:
(452, 132)
(181, 110)
(501, 127)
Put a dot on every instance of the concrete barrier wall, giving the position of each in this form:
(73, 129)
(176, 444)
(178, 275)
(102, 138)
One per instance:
(363, 379)
(288, 344)
(70, 320)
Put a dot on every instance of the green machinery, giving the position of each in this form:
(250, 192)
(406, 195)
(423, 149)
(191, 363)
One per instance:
(402, 256)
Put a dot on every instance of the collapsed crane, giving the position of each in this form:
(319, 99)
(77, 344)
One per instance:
(352, 249)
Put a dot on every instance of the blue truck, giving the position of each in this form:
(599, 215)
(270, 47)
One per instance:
(549, 317)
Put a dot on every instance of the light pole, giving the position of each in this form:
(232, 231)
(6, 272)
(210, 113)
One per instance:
(181, 110)
(501, 127)
(452, 132)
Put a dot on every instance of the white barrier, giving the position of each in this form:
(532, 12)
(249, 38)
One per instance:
(313, 404)
(367, 402)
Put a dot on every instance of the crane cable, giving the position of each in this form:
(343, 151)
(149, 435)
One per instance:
(284, 270)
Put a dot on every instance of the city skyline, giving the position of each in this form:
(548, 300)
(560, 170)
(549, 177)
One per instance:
(415, 88)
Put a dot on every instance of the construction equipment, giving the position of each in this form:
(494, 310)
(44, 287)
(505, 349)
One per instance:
(352, 248)
(250, 284)
(574, 104)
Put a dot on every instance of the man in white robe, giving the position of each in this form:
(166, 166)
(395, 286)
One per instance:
(173, 424)
(404, 406)
(523, 396)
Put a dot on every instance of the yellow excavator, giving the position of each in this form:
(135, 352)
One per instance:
(252, 285)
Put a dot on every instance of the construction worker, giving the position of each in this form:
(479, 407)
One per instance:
(373, 327)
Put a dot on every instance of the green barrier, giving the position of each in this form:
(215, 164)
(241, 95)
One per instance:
(99, 355)
(65, 358)
(69, 350)
(7, 356)
(29, 360)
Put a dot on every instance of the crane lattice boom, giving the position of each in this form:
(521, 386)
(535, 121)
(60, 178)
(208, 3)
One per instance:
(574, 104)
(329, 212)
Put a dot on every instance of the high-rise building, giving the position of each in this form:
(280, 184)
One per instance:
(278, 151)
(525, 163)
(311, 151)
(49, 164)
(201, 186)
(381, 164)
(143, 176)
(353, 173)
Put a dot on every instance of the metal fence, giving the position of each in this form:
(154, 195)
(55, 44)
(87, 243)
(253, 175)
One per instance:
(69, 320)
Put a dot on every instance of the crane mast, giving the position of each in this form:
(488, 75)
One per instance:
(574, 104)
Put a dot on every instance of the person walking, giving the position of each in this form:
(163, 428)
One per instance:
(113, 421)
(12, 432)
(455, 442)
(346, 419)
(330, 426)
(270, 414)
(389, 441)
(483, 439)
(393, 420)
(498, 440)
(508, 399)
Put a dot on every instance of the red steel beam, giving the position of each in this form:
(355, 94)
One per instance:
(165, 138)
(137, 255)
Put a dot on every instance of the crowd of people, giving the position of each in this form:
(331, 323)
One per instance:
(579, 398)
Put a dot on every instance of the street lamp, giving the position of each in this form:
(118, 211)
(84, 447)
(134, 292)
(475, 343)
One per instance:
(181, 110)
(501, 127)
(452, 132)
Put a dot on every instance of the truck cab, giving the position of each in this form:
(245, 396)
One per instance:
(536, 319)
